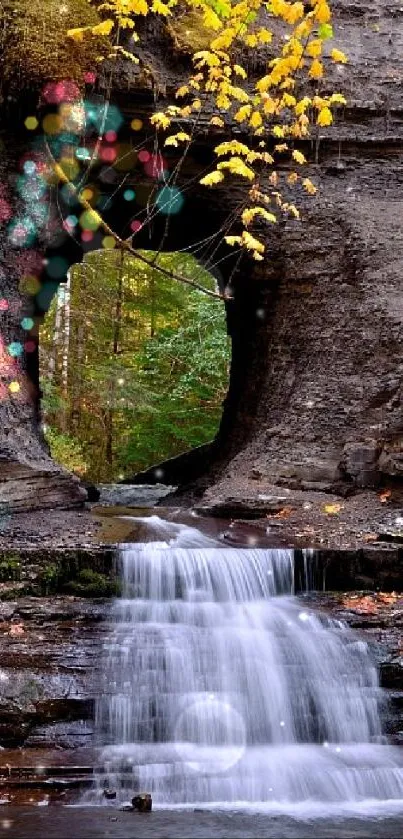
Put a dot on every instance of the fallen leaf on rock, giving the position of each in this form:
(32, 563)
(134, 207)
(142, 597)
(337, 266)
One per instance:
(17, 629)
(370, 537)
(332, 509)
(369, 604)
(282, 514)
(385, 495)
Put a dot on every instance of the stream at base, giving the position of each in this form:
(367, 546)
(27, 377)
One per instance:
(221, 692)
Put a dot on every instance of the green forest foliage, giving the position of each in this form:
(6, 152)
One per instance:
(134, 365)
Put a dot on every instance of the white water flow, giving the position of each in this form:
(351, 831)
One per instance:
(220, 688)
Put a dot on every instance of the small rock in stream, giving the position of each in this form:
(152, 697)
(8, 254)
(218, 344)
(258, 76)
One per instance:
(143, 802)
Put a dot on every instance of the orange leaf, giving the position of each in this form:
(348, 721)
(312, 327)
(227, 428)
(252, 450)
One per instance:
(383, 496)
(282, 514)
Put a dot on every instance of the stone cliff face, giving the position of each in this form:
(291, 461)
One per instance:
(327, 361)
(315, 399)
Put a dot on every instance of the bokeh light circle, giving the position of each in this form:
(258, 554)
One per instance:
(207, 721)
(169, 200)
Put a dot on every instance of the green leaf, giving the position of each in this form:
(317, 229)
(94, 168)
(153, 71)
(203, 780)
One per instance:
(325, 31)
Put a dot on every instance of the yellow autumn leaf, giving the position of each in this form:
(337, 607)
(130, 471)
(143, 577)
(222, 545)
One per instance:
(322, 12)
(104, 28)
(236, 166)
(251, 243)
(309, 186)
(138, 7)
(332, 509)
(325, 117)
(294, 12)
(302, 105)
(233, 240)
(338, 99)
(232, 147)
(76, 34)
(205, 57)
(243, 113)
(174, 139)
(251, 40)
(316, 69)
(249, 215)
(160, 120)
(217, 121)
(298, 157)
(264, 36)
(239, 71)
(293, 178)
(182, 91)
(314, 48)
(255, 120)
(339, 56)
(211, 20)
(160, 8)
(212, 178)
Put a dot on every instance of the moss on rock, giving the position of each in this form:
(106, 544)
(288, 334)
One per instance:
(189, 33)
(34, 47)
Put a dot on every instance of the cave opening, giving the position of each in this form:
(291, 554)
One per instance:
(134, 366)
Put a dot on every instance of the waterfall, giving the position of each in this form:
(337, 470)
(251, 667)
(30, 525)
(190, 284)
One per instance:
(220, 687)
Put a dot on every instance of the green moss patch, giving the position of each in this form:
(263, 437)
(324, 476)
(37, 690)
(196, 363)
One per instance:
(34, 47)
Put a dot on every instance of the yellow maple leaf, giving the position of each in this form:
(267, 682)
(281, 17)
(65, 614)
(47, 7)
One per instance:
(236, 166)
(182, 91)
(239, 71)
(232, 147)
(316, 69)
(332, 509)
(339, 56)
(314, 48)
(255, 120)
(212, 178)
(264, 36)
(325, 117)
(243, 113)
(251, 243)
(249, 215)
(211, 20)
(160, 8)
(338, 99)
(76, 34)
(322, 12)
(309, 186)
(217, 121)
(103, 28)
(299, 157)
(160, 120)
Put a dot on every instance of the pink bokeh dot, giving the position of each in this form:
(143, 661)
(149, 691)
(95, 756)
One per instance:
(29, 346)
(87, 235)
(3, 305)
(144, 156)
(108, 155)
(136, 226)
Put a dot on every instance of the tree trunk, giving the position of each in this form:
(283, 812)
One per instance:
(29, 478)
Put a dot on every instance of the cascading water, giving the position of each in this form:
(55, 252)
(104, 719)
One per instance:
(220, 688)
